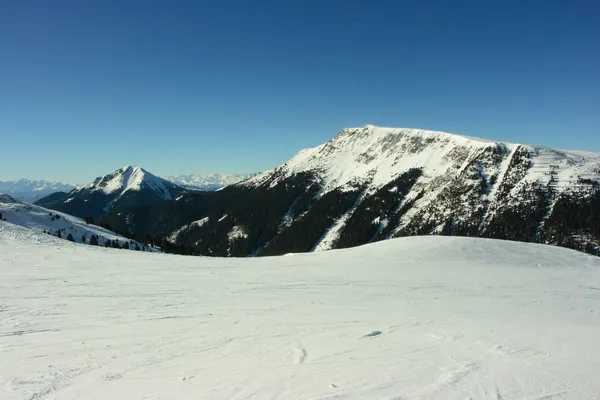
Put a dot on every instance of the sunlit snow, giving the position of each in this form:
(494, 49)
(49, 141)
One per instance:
(411, 318)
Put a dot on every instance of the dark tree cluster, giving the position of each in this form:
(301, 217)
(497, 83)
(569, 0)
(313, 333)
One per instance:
(259, 214)
(520, 221)
(382, 205)
(573, 218)
(304, 234)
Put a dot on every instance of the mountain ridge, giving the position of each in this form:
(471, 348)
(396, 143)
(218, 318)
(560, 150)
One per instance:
(31, 190)
(373, 183)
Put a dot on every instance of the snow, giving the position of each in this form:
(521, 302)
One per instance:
(195, 224)
(39, 219)
(413, 318)
(237, 232)
(331, 236)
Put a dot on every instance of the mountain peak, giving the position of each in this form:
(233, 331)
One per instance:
(130, 178)
(126, 187)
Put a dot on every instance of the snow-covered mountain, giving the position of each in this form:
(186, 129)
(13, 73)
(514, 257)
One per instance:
(207, 182)
(39, 220)
(374, 183)
(30, 190)
(125, 188)
(433, 318)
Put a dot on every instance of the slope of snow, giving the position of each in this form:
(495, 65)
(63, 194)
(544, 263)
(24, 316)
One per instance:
(207, 182)
(414, 318)
(39, 220)
(377, 155)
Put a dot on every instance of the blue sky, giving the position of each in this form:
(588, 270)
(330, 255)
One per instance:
(240, 86)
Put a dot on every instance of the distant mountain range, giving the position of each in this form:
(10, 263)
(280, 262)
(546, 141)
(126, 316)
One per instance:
(207, 182)
(30, 191)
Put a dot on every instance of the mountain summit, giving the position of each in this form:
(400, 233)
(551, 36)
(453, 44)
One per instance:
(131, 179)
(125, 188)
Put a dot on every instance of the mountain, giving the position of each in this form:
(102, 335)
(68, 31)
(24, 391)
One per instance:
(125, 188)
(207, 182)
(374, 183)
(433, 318)
(30, 191)
(39, 221)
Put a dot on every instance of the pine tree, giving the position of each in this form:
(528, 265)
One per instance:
(70, 238)
(94, 240)
(58, 234)
(107, 243)
(83, 239)
(126, 246)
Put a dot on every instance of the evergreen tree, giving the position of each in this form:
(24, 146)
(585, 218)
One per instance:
(107, 243)
(83, 239)
(58, 234)
(89, 220)
(70, 238)
(94, 240)
(126, 246)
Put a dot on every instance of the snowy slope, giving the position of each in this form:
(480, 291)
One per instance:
(31, 190)
(379, 154)
(41, 221)
(428, 318)
(207, 182)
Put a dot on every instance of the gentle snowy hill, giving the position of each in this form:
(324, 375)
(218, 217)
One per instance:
(43, 221)
(125, 188)
(370, 184)
(207, 182)
(30, 191)
(428, 318)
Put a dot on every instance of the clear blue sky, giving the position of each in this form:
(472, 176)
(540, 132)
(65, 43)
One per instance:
(240, 86)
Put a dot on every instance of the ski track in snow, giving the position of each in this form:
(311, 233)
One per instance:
(412, 318)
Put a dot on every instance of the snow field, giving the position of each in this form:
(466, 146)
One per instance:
(410, 318)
